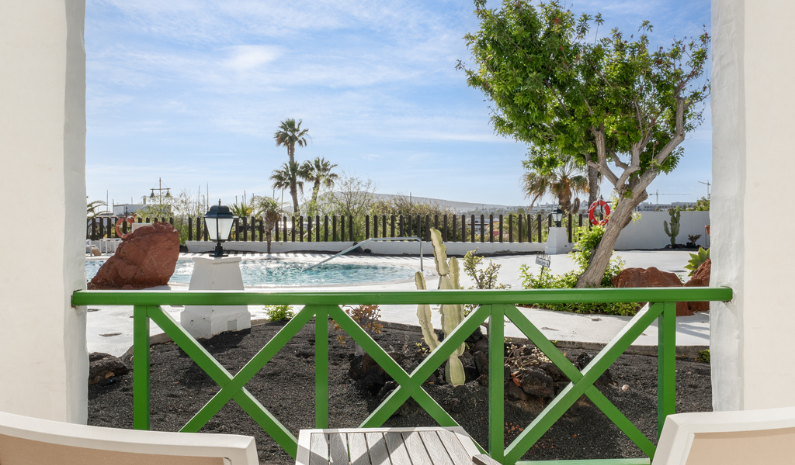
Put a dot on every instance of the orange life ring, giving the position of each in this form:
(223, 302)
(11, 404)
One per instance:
(592, 217)
(129, 220)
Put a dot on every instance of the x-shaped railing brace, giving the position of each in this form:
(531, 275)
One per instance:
(232, 387)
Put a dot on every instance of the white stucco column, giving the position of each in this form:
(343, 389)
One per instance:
(753, 113)
(43, 359)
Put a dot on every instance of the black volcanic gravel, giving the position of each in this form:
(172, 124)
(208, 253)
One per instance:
(285, 386)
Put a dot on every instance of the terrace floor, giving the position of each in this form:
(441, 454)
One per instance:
(110, 328)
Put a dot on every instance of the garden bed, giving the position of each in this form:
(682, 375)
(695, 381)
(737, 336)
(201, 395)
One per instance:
(285, 386)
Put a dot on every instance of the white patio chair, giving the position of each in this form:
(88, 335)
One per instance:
(32, 441)
(728, 438)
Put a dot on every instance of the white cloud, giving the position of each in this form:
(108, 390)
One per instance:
(249, 57)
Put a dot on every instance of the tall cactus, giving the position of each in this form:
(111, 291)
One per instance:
(674, 230)
(452, 314)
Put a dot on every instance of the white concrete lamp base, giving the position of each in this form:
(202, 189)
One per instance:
(557, 242)
(203, 321)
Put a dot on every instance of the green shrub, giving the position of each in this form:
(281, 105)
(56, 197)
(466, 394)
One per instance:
(366, 316)
(703, 355)
(485, 278)
(588, 240)
(279, 312)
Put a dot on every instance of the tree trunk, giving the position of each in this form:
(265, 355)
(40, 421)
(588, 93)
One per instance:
(593, 185)
(268, 238)
(294, 194)
(600, 258)
(564, 201)
(315, 191)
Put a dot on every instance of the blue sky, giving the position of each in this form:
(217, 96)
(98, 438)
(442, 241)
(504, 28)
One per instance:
(193, 90)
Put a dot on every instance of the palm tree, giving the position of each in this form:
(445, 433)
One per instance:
(562, 182)
(92, 207)
(287, 178)
(288, 135)
(318, 172)
(270, 210)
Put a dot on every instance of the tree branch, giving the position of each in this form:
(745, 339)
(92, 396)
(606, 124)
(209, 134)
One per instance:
(601, 154)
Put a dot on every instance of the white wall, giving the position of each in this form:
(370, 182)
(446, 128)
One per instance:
(752, 118)
(43, 359)
(377, 248)
(649, 232)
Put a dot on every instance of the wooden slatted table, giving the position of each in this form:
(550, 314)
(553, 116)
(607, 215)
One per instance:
(386, 446)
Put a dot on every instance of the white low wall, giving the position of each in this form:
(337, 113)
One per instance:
(648, 233)
(377, 248)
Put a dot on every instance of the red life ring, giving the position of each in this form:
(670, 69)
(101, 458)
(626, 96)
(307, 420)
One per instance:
(592, 217)
(129, 220)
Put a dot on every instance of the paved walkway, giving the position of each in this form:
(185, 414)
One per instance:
(110, 327)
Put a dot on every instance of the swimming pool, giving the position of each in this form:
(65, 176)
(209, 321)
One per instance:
(287, 273)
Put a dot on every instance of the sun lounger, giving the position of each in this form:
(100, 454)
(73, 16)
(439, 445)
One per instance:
(31, 441)
(386, 446)
(728, 438)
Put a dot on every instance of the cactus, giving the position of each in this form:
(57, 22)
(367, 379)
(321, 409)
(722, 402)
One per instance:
(452, 315)
(674, 230)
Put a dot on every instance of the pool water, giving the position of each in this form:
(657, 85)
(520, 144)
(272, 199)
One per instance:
(286, 273)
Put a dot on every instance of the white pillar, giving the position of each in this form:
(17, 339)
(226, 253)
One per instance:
(43, 359)
(753, 113)
(557, 241)
(215, 274)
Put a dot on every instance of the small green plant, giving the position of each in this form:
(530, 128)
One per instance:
(703, 355)
(366, 316)
(279, 312)
(422, 348)
(692, 238)
(673, 231)
(696, 259)
(484, 278)
(588, 241)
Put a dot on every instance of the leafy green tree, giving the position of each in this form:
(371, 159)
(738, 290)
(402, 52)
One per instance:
(613, 103)
(702, 205)
(318, 172)
(289, 135)
(352, 197)
(288, 178)
(566, 179)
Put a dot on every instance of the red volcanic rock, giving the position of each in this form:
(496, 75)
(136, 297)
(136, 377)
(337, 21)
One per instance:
(701, 276)
(645, 277)
(145, 258)
(700, 279)
(651, 277)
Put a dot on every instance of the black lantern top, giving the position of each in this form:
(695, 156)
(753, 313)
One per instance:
(219, 221)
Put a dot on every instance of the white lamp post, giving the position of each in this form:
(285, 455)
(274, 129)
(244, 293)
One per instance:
(217, 272)
(219, 221)
(558, 240)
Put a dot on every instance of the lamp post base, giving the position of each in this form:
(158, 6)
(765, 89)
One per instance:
(219, 251)
(216, 273)
(557, 242)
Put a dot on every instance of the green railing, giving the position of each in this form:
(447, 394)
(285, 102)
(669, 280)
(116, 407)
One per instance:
(495, 306)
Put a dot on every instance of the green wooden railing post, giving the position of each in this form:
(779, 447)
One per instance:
(321, 368)
(141, 389)
(666, 363)
(496, 380)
